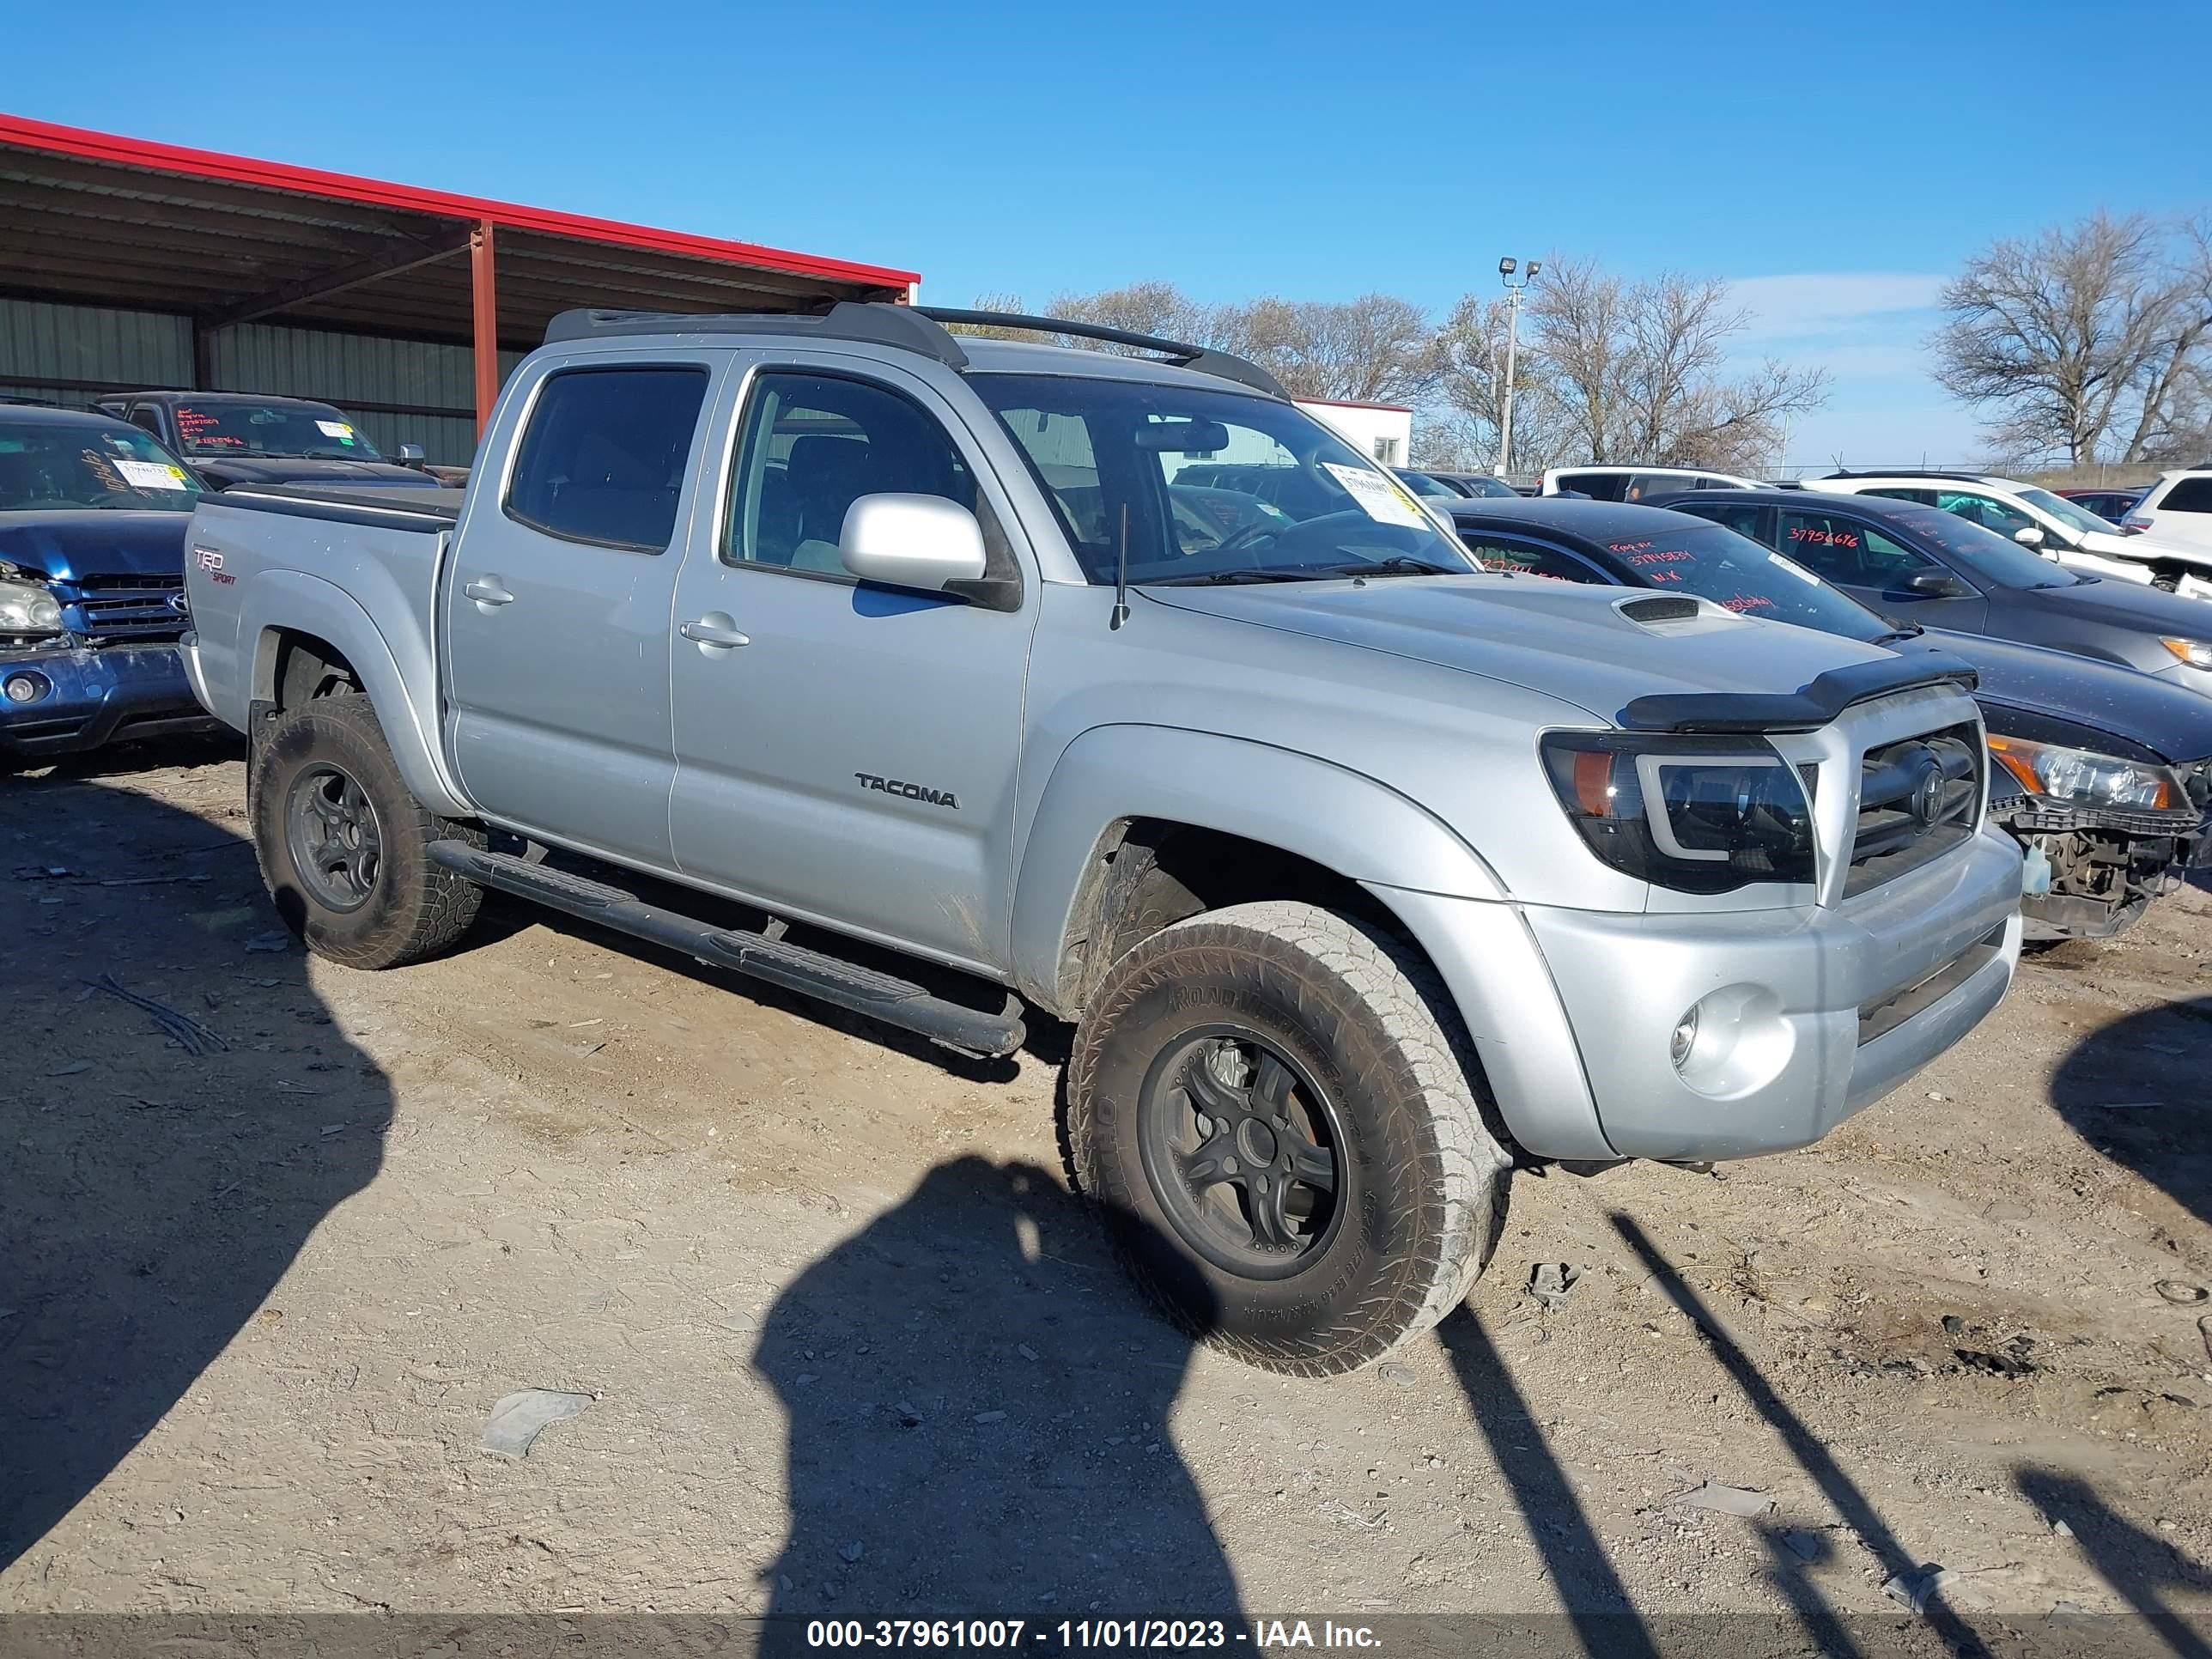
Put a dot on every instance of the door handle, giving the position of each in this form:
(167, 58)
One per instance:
(713, 629)
(486, 590)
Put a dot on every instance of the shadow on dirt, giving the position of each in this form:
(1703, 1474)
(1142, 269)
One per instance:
(2138, 1565)
(149, 1198)
(977, 1408)
(1848, 1500)
(1597, 1603)
(2134, 1091)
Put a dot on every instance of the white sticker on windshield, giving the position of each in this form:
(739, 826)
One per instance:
(1793, 569)
(1378, 498)
(151, 475)
(334, 429)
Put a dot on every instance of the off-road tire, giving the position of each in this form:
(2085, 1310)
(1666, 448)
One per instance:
(415, 908)
(1370, 1022)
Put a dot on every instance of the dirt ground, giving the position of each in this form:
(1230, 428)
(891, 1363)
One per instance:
(850, 1346)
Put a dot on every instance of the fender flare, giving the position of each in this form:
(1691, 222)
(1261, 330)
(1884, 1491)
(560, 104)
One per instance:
(279, 601)
(1343, 820)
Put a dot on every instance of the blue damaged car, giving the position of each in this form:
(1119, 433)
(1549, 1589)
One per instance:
(93, 518)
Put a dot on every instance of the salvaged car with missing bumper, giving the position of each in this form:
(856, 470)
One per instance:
(1361, 874)
(93, 520)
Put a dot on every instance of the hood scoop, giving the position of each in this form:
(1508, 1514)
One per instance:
(1660, 608)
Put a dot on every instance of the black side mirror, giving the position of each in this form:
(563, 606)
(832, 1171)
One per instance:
(1934, 585)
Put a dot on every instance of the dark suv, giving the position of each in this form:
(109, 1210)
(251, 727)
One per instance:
(242, 438)
(1929, 567)
(93, 520)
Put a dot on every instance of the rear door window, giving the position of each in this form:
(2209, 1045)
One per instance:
(1919, 497)
(1985, 510)
(1598, 486)
(1753, 521)
(605, 456)
(2189, 496)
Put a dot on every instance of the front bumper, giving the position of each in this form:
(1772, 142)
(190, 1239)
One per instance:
(1814, 1013)
(98, 697)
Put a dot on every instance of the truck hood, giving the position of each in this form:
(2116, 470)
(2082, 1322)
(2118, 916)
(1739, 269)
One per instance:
(1561, 639)
(71, 546)
(2111, 709)
(223, 472)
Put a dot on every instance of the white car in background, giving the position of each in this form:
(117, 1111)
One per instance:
(1633, 484)
(2178, 508)
(2058, 529)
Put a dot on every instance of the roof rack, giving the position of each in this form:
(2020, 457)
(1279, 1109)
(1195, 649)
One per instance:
(907, 328)
(1909, 472)
(902, 326)
(1202, 358)
(37, 403)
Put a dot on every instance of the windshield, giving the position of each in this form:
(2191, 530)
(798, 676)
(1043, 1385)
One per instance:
(56, 465)
(1422, 484)
(1483, 488)
(2073, 514)
(1209, 486)
(248, 429)
(1986, 554)
(1717, 564)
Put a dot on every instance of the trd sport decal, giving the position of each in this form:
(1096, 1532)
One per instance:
(911, 790)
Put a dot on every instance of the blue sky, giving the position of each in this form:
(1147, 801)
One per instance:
(1836, 162)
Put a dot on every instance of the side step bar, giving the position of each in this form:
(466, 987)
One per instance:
(880, 996)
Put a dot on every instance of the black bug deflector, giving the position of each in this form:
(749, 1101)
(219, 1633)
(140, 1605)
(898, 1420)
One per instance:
(1810, 707)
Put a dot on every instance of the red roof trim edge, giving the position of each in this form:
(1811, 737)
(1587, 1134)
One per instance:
(275, 175)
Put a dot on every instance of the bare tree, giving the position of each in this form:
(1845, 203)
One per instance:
(1471, 383)
(1376, 349)
(1641, 372)
(2078, 341)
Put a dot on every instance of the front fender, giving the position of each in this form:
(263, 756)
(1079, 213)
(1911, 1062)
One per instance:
(277, 600)
(1342, 820)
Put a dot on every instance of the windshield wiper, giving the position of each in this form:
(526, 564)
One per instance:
(1398, 564)
(1214, 578)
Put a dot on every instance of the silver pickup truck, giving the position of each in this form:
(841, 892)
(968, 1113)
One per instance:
(1361, 873)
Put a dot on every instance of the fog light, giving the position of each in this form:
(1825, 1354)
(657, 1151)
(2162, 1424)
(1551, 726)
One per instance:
(27, 687)
(1684, 1040)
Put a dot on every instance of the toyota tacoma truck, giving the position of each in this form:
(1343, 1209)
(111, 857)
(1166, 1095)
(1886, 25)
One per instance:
(1362, 874)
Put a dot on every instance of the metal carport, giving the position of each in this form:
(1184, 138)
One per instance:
(222, 242)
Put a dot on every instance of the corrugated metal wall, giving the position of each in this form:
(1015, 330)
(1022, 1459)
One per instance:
(427, 392)
(90, 344)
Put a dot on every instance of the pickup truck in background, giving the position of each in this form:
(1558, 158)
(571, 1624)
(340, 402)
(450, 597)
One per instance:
(242, 438)
(1361, 873)
(93, 520)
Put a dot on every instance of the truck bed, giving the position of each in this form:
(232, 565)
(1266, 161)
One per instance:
(340, 502)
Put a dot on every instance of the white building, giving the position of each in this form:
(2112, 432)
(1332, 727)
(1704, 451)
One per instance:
(1383, 430)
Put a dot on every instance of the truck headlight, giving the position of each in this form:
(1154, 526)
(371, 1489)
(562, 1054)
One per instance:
(28, 608)
(2093, 779)
(1699, 815)
(2196, 653)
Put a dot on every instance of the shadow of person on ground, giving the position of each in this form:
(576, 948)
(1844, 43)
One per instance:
(2138, 1565)
(2133, 1089)
(149, 1198)
(1597, 1603)
(977, 1408)
(1850, 1500)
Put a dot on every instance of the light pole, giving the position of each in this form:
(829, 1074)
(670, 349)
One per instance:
(1514, 290)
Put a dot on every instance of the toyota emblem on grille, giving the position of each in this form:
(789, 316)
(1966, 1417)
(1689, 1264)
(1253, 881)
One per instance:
(1928, 797)
(178, 603)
